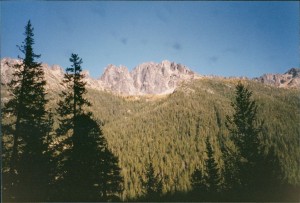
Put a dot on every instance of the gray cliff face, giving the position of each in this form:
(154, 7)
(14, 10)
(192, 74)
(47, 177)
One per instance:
(147, 78)
(117, 79)
(290, 79)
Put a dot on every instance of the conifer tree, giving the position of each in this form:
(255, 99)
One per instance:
(72, 102)
(153, 184)
(244, 128)
(213, 176)
(198, 181)
(28, 175)
(89, 171)
(230, 170)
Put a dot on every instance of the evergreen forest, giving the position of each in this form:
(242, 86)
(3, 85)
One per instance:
(212, 139)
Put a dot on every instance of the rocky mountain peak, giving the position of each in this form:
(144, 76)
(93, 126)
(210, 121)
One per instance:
(290, 79)
(295, 72)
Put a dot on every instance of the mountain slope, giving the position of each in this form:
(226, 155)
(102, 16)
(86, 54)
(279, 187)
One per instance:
(170, 130)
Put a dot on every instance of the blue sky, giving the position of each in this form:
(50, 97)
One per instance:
(220, 38)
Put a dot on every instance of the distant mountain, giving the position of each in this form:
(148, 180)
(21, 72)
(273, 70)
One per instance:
(290, 79)
(147, 78)
(53, 75)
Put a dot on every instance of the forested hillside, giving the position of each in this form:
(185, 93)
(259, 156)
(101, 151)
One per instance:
(170, 131)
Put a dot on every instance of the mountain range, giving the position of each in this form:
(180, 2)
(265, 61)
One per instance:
(146, 78)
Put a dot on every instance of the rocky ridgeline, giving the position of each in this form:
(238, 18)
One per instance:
(146, 78)
(290, 79)
(53, 75)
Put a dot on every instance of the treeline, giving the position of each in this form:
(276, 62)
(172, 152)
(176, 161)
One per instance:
(190, 146)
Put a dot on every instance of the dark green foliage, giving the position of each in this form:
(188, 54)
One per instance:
(152, 186)
(230, 170)
(244, 126)
(28, 176)
(89, 158)
(213, 176)
(88, 170)
(210, 182)
(72, 100)
(199, 181)
(244, 129)
(111, 181)
(254, 163)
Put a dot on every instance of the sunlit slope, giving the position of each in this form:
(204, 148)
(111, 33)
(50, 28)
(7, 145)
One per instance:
(171, 130)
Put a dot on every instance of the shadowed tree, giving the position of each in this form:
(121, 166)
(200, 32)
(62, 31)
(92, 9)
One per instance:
(213, 176)
(28, 176)
(152, 186)
(111, 180)
(244, 128)
(230, 170)
(199, 181)
(89, 171)
(210, 182)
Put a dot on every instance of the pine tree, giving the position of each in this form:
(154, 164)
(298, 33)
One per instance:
(230, 170)
(153, 184)
(89, 170)
(72, 102)
(213, 178)
(199, 181)
(28, 176)
(244, 128)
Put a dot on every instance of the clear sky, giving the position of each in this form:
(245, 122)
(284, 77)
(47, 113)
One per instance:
(220, 38)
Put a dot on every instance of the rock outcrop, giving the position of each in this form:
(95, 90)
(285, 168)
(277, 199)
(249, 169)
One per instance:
(290, 79)
(146, 78)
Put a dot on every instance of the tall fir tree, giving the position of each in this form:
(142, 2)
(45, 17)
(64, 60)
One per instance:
(89, 170)
(244, 127)
(28, 176)
(213, 176)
